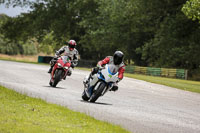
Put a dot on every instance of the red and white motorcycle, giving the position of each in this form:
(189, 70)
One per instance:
(60, 70)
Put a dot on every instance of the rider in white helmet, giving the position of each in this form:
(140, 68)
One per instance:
(69, 51)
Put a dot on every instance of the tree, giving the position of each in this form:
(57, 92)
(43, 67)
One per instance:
(149, 32)
(192, 9)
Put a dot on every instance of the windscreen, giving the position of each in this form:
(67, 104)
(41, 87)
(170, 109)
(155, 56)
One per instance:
(65, 59)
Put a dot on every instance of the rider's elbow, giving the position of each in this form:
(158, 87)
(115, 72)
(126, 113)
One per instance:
(120, 76)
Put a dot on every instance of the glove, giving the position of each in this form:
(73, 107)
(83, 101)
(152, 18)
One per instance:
(56, 57)
(57, 54)
(99, 66)
(95, 70)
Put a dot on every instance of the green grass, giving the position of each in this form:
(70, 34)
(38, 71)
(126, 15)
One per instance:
(22, 114)
(193, 86)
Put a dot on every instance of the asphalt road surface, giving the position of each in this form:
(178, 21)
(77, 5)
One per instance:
(137, 106)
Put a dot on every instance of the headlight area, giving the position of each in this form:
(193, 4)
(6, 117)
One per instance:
(59, 65)
(66, 67)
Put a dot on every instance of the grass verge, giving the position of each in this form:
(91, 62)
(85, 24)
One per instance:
(188, 85)
(22, 114)
(19, 58)
(22, 59)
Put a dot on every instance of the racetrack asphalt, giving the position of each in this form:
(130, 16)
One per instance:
(138, 106)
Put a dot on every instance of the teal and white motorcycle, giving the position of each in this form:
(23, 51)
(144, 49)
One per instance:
(99, 84)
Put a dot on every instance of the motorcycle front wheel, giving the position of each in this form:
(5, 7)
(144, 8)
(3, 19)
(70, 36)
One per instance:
(50, 83)
(58, 75)
(97, 93)
(84, 96)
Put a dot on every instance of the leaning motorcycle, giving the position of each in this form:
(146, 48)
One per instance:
(99, 84)
(60, 70)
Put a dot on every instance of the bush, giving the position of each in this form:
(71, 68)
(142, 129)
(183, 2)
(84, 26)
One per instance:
(29, 48)
(11, 48)
(194, 74)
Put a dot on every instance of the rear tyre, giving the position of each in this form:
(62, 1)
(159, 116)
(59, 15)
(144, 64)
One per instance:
(97, 92)
(58, 75)
(84, 96)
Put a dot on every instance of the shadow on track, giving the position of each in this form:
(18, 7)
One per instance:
(96, 103)
(55, 87)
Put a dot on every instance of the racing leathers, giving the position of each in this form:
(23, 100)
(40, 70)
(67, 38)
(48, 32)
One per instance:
(114, 68)
(72, 54)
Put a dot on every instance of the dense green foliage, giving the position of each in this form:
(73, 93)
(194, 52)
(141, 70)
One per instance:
(192, 9)
(149, 32)
(11, 46)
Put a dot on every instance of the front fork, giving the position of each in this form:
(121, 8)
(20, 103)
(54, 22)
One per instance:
(66, 71)
(89, 90)
(89, 83)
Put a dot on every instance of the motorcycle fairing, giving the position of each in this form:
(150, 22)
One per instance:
(64, 62)
(104, 75)
(107, 76)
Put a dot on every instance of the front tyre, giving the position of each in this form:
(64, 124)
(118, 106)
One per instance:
(50, 82)
(97, 92)
(84, 96)
(58, 75)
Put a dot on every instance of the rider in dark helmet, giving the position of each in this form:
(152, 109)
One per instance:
(118, 57)
(116, 63)
(68, 50)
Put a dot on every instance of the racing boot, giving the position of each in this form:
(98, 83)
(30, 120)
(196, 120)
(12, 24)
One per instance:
(69, 73)
(86, 81)
(114, 88)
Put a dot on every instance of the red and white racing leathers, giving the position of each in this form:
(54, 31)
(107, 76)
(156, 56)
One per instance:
(73, 54)
(114, 68)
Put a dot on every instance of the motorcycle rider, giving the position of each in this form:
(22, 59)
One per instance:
(69, 51)
(117, 65)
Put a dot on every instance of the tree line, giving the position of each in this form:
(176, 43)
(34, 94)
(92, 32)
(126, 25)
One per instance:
(150, 32)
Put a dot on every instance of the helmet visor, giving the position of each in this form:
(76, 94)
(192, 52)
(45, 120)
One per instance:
(117, 60)
(72, 46)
